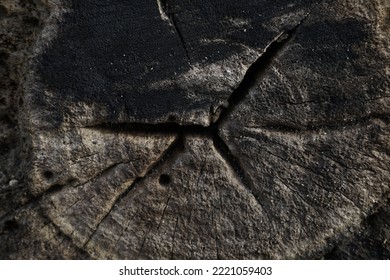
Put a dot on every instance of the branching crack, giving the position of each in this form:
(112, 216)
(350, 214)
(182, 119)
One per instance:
(255, 72)
(175, 147)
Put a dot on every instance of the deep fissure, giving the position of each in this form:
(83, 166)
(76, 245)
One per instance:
(176, 147)
(254, 72)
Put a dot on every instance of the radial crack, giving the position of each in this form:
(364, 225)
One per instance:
(169, 17)
(258, 68)
(175, 147)
(254, 73)
(147, 128)
(234, 163)
(163, 212)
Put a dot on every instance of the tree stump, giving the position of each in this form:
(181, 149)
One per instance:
(167, 129)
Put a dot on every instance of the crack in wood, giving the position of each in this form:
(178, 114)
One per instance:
(175, 147)
(254, 72)
(281, 127)
(179, 33)
(164, 210)
(35, 199)
(224, 150)
(124, 230)
(168, 16)
(257, 69)
(285, 185)
(307, 168)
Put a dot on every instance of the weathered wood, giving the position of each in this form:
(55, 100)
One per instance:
(154, 61)
(203, 130)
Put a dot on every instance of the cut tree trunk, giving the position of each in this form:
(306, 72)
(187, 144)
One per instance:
(221, 129)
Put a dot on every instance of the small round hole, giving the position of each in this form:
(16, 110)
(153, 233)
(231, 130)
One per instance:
(48, 175)
(164, 179)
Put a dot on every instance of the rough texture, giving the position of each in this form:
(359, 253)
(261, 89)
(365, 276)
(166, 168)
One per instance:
(314, 137)
(192, 207)
(20, 25)
(206, 130)
(106, 69)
